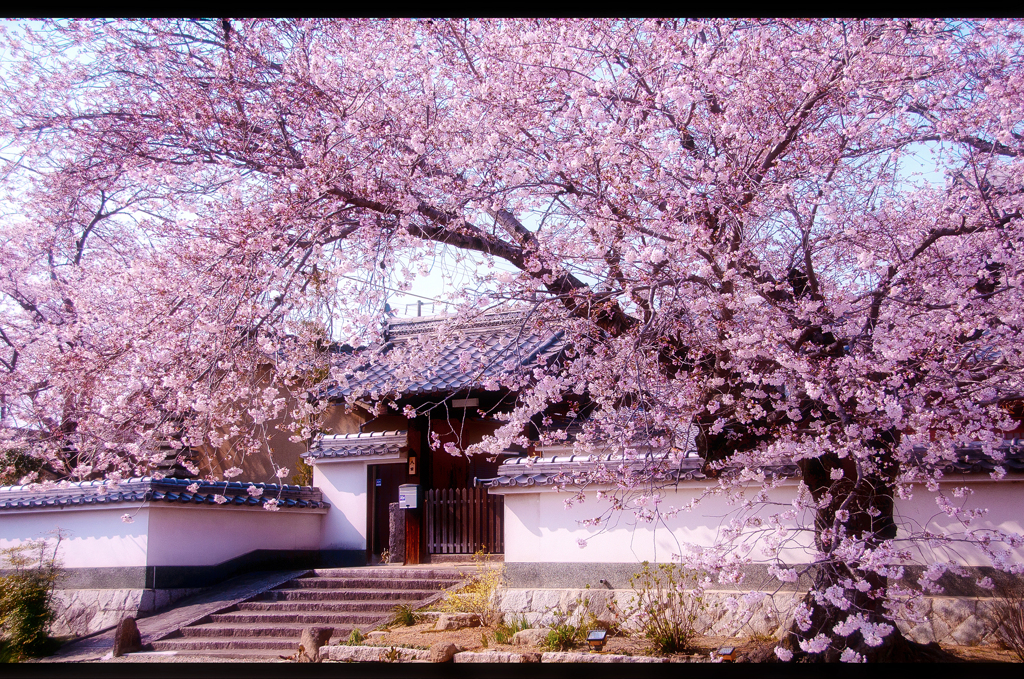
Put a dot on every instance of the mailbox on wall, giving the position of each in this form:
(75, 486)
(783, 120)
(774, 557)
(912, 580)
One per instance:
(408, 496)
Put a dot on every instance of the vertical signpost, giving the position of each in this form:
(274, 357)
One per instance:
(408, 500)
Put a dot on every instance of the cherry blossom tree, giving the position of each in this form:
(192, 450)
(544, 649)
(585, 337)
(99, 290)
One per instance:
(770, 242)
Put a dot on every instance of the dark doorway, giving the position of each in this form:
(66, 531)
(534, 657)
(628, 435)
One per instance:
(384, 480)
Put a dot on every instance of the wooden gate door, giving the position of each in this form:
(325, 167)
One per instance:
(464, 521)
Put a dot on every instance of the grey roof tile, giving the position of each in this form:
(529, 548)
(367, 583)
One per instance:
(162, 491)
(498, 344)
(363, 444)
(559, 469)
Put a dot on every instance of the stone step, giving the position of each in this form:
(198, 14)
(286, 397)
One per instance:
(305, 617)
(463, 561)
(391, 573)
(270, 624)
(239, 654)
(269, 645)
(365, 583)
(398, 596)
(215, 631)
(381, 606)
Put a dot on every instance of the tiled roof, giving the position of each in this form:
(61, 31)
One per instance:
(972, 459)
(491, 346)
(579, 469)
(369, 444)
(163, 491)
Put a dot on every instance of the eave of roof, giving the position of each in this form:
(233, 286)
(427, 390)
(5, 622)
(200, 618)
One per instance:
(165, 491)
(559, 470)
(972, 458)
(578, 470)
(363, 444)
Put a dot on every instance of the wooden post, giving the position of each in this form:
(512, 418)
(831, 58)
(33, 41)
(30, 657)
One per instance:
(426, 482)
(413, 522)
(371, 509)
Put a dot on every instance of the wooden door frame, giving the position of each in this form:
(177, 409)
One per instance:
(371, 511)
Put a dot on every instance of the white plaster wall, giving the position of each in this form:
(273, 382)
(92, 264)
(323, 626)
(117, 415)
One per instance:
(196, 536)
(538, 527)
(93, 538)
(1003, 499)
(343, 485)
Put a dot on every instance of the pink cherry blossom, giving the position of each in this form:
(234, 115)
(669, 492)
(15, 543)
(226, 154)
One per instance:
(767, 244)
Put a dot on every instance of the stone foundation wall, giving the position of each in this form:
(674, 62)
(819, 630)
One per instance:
(956, 620)
(84, 611)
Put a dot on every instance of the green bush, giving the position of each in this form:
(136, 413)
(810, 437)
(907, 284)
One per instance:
(667, 605)
(402, 614)
(507, 629)
(570, 628)
(30, 572)
(565, 636)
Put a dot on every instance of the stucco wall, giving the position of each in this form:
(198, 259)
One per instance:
(344, 487)
(111, 568)
(161, 536)
(204, 537)
(1003, 500)
(93, 538)
(538, 527)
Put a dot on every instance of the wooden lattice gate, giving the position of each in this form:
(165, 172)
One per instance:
(464, 521)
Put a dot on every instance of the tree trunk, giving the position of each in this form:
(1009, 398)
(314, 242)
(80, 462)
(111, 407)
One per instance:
(894, 647)
(861, 507)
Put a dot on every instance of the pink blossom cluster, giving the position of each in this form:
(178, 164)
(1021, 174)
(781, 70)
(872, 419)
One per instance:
(784, 248)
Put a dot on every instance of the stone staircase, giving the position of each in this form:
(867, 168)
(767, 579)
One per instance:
(269, 625)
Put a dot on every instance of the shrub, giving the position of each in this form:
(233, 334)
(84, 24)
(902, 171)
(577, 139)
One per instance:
(26, 594)
(478, 595)
(569, 629)
(507, 629)
(303, 475)
(402, 614)
(565, 636)
(1008, 614)
(355, 638)
(667, 604)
